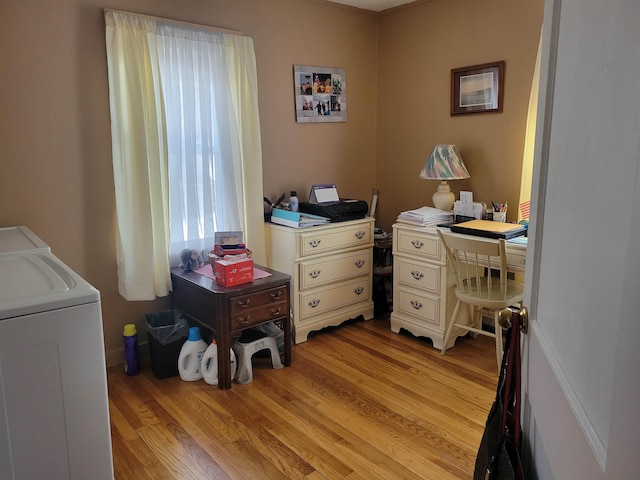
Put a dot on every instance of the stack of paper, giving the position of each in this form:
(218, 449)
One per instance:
(425, 217)
(296, 219)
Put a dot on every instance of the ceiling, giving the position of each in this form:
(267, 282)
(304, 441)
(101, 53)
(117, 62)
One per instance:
(373, 5)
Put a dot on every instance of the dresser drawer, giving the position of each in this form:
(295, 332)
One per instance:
(258, 307)
(335, 239)
(419, 244)
(317, 272)
(419, 305)
(333, 297)
(417, 275)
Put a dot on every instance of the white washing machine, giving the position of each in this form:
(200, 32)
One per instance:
(54, 411)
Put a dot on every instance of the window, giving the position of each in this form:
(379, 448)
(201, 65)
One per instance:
(185, 134)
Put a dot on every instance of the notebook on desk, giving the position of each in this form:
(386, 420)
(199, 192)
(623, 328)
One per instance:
(490, 229)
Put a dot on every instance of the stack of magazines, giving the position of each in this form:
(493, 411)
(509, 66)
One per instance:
(425, 217)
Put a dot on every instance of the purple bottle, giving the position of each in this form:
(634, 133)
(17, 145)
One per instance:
(131, 363)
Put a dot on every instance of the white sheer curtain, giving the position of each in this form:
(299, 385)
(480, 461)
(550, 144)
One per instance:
(186, 144)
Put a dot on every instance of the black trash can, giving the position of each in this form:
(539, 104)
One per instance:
(166, 332)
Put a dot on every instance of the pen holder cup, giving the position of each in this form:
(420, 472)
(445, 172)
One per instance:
(499, 216)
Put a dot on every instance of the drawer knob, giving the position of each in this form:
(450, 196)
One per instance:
(314, 243)
(245, 320)
(358, 290)
(244, 303)
(417, 275)
(276, 295)
(360, 234)
(416, 304)
(314, 273)
(314, 303)
(417, 243)
(359, 263)
(275, 312)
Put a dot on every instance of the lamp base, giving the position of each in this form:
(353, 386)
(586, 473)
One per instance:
(443, 199)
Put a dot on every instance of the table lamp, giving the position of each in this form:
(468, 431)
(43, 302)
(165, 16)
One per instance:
(444, 163)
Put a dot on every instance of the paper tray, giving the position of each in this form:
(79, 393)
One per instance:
(489, 229)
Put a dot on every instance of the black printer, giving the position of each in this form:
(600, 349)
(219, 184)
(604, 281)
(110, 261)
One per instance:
(340, 211)
(325, 202)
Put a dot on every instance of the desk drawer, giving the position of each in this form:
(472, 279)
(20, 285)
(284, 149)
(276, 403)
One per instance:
(516, 261)
(335, 268)
(418, 305)
(419, 244)
(418, 275)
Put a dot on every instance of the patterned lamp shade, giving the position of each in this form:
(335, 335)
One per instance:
(444, 163)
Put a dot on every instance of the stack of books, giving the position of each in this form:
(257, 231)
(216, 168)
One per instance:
(296, 219)
(425, 217)
(490, 229)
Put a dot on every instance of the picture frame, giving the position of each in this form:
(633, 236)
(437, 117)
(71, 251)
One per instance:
(477, 89)
(320, 94)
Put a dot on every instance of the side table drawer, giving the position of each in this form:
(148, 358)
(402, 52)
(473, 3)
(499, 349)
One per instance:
(256, 299)
(258, 307)
(422, 276)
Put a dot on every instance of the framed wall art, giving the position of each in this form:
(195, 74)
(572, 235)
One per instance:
(320, 94)
(477, 89)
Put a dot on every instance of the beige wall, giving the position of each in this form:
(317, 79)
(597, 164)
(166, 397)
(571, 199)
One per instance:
(55, 164)
(418, 47)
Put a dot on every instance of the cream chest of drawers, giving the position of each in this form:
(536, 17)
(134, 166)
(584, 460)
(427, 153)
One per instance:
(331, 271)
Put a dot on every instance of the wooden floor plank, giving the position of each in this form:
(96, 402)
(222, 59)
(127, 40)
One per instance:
(358, 402)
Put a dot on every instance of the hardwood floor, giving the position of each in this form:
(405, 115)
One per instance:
(358, 402)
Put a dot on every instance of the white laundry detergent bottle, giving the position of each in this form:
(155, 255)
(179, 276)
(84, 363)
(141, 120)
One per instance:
(210, 364)
(190, 358)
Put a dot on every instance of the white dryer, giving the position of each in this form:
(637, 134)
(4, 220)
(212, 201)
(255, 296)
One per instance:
(54, 411)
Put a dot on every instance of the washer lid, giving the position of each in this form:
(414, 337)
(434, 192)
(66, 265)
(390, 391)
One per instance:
(38, 282)
(20, 239)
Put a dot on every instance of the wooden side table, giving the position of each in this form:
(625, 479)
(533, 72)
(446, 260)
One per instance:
(228, 311)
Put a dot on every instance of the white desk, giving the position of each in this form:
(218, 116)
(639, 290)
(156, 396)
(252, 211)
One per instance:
(423, 290)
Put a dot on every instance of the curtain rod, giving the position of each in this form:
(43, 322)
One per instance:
(179, 23)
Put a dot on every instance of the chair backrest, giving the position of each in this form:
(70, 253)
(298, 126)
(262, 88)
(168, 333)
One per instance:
(469, 258)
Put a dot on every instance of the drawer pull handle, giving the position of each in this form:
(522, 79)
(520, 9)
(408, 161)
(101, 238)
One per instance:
(417, 243)
(275, 312)
(359, 263)
(276, 295)
(314, 303)
(314, 243)
(360, 234)
(416, 304)
(245, 320)
(314, 273)
(358, 290)
(417, 275)
(244, 303)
